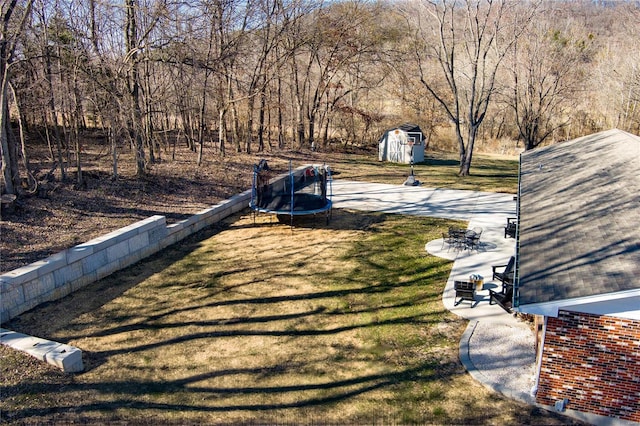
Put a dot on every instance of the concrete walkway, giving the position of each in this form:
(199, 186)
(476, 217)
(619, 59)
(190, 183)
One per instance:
(497, 349)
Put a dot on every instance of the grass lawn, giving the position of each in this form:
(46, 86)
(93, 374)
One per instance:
(254, 322)
(439, 170)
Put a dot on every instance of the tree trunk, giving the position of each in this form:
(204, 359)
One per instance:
(280, 117)
(10, 185)
(114, 152)
(31, 181)
(222, 130)
(54, 116)
(249, 130)
(465, 163)
(10, 175)
(131, 35)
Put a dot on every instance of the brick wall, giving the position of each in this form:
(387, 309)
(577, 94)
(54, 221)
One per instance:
(594, 362)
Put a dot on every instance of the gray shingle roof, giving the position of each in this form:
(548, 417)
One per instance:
(579, 230)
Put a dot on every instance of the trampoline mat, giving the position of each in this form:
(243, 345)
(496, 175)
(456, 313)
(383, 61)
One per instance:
(301, 202)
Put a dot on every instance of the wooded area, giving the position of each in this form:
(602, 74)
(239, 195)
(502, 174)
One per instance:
(220, 75)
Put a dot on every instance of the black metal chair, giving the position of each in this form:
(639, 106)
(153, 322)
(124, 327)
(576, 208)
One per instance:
(472, 239)
(447, 239)
(506, 275)
(456, 238)
(510, 229)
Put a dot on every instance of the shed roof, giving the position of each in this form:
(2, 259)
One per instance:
(578, 231)
(406, 127)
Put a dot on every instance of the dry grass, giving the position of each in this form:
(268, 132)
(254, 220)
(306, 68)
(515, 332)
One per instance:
(256, 322)
(250, 322)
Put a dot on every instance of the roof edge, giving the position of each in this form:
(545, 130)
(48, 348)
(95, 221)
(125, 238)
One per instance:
(624, 304)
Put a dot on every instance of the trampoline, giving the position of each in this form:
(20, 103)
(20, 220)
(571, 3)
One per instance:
(302, 192)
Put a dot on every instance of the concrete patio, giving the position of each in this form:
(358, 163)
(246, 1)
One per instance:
(497, 349)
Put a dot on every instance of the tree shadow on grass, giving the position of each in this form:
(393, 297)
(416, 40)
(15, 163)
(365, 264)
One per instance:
(47, 318)
(130, 394)
(145, 397)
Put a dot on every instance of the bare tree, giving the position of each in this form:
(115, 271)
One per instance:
(548, 69)
(467, 41)
(9, 37)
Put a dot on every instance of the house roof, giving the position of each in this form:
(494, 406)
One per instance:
(578, 230)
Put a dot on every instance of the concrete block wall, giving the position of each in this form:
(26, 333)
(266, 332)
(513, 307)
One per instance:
(65, 272)
(593, 362)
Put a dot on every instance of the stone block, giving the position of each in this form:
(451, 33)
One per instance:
(83, 281)
(59, 292)
(94, 262)
(150, 223)
(225, 210)
(11, 295)
(170, 239)
(156, 235)
(65, 357)
(190, 221)
(215, 217)
(79, 252)
(33, 290)
(68, 274)
(118, 251)
(138, 242)
(21, 275)
(133, 258)
(47, 283)
(182, 234)
(51, 263)
(108, 269)
(206, 213)
(174, 227)
(149, 250)
(103, 242)
(198, 226)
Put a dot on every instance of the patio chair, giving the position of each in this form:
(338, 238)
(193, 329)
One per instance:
(447, 239)
(465, 291)
(503, 298)
(472, 240)
(506, 275)
(510, 229)
(455, 237)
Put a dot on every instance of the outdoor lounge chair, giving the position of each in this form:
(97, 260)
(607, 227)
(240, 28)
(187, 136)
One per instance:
(465, 291)
(510, 229)
(506, 276)
(503, 298)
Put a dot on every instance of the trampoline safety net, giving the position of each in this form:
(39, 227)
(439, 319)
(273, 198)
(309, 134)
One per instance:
(303, 191)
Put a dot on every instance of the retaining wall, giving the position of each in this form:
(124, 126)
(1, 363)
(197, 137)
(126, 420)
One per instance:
(65, 272)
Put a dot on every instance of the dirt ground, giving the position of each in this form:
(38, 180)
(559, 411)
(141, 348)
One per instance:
(62, 215)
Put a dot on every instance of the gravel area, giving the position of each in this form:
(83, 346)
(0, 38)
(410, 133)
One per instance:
(504, 353)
